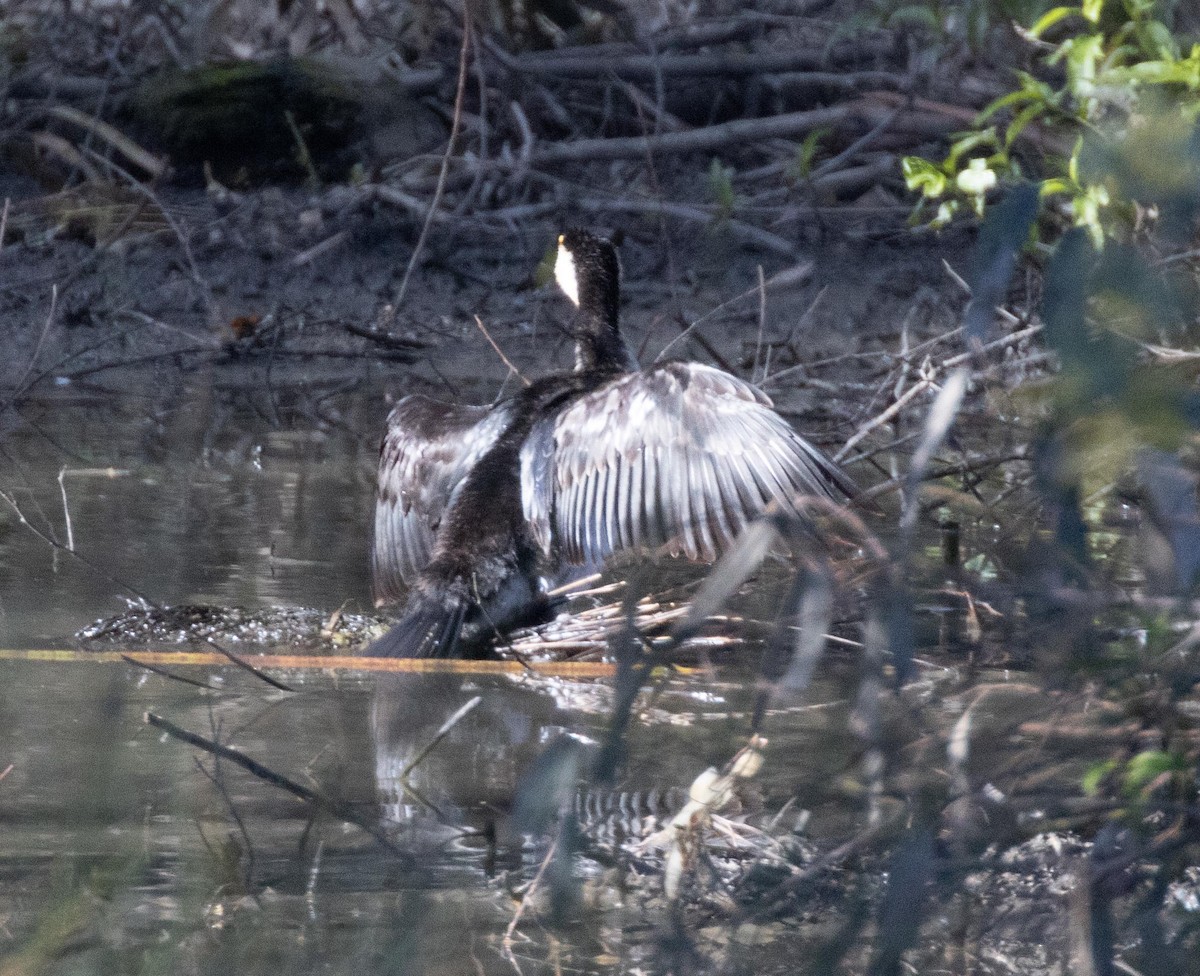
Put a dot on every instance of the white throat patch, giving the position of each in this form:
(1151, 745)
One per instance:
(565, 274)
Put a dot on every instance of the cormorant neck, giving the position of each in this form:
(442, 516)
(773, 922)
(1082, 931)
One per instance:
(599, 346)
(589, 272)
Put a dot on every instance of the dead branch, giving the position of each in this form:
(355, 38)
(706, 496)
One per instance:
(719, 65)
(455, 122)
(337, 808)
(695, 214)
(722, 135)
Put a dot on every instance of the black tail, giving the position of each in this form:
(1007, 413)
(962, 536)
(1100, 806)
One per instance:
(429, 628)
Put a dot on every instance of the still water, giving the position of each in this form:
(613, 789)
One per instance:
(185, 495)
(125, 850)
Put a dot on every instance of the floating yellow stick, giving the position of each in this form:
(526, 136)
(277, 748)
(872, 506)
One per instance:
(311, 662)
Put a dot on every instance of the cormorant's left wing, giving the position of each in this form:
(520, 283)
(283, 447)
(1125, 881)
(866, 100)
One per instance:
(428, 451)
(681, 455)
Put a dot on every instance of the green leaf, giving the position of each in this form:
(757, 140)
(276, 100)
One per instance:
(1157, 40)
(1082, 55)
(1020, 120)
(968, 142)
(1004, 101)
(808, 151)
(921, 174)
(1056, 185)
(1095, 776)
(1092, 10)
(720, 184)
(1147, 766)
(1050, 18)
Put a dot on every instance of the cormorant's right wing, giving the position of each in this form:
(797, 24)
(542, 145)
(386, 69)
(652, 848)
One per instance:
(678, 455)
(428, 451)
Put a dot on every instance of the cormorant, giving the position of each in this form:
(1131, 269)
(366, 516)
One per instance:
(477, 505)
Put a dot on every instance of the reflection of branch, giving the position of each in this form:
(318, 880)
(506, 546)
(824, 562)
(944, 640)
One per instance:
(164, 673)
(55, 544)
(528, 896)
(337, 808)
(440, 734)
(218, 781)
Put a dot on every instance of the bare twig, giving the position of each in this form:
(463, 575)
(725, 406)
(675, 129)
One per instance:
(748, 233)
(529, 893)
(123, 144)
(55, 544)
(320, 248)
(163, 672)
(722, 135)
(787, 277)
(440, 734)
(455, 122)
(917, 388)
(857, 146)
(762, 323)
(19, 388)
(500, 352)
(724, 65)
(55, 145)
(62, 487)
(335, 807)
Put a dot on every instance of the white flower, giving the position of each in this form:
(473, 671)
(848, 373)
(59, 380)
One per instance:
(977, 178)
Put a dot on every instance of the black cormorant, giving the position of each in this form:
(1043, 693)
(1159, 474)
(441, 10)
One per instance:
(477, 506)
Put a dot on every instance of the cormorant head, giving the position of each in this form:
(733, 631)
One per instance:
(588, 271)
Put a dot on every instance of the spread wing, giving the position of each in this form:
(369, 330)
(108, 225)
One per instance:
(681, 455)
(428, 450)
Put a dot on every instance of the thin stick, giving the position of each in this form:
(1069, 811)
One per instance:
(574, 585)
(919, 387)
(218, 781)
(19, 388)
(7, 769)
(788, 276)
(529, 892)
(55, 544)
(118, 140)
(961, 282)
(696, 214)
(791, 125)
(455, 122)
(762, 322)
(440, 734)
(163, 672)
(340, 810)
(856, 146)
(500, 352)
(3, 222)
(320, 248)
(726, 65)
(62, 487)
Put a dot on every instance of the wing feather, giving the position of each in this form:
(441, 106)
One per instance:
(427, 452)
(635, 512)
(681, 455)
